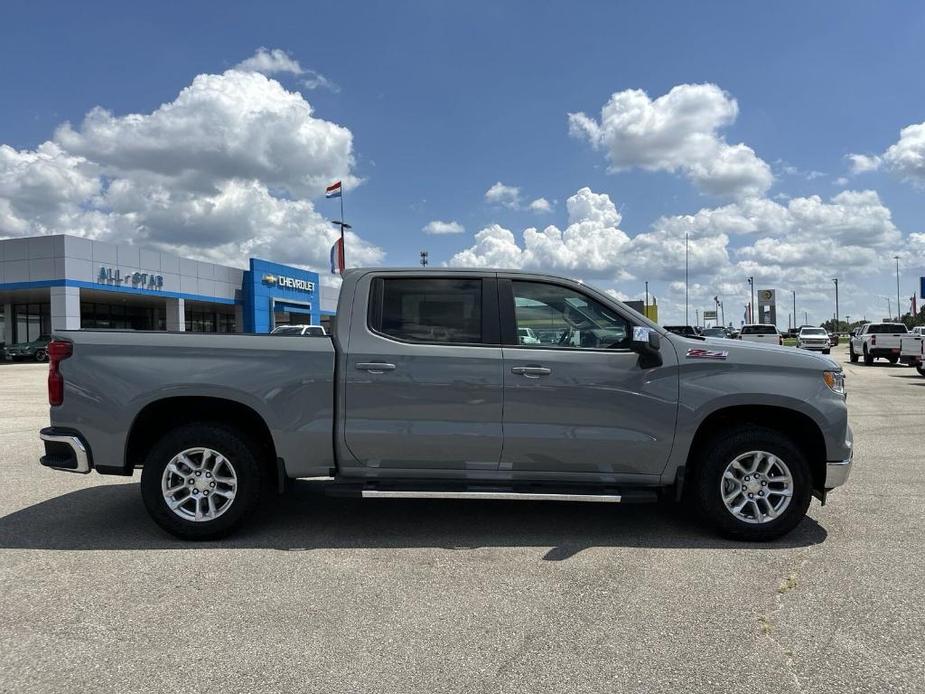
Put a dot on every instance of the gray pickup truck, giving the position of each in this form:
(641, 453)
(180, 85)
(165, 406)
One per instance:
(428, 389)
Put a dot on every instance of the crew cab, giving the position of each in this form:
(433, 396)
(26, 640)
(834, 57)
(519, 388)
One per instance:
(877, 341)
(430, 388)
(758, 332)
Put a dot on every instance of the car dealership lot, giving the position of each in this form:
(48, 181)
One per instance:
(336, 595)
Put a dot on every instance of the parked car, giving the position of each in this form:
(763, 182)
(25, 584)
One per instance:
(816, 339)
(685, 330)
(425, 391)
(758, 332)
(877, 341)
(527, 336)
(833, 339)
(304, 330)
(36, 350)
(715, 332)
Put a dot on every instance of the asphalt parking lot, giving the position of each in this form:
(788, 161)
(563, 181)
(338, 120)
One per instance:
(339, 595)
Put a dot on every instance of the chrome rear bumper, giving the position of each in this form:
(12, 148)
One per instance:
(64, 451)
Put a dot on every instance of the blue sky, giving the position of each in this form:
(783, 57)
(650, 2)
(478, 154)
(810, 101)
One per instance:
(444, 100)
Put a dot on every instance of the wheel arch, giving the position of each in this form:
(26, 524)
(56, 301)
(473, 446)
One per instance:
(799, 427)
(162, 415)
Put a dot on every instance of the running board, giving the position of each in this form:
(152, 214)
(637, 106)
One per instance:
(500, 496)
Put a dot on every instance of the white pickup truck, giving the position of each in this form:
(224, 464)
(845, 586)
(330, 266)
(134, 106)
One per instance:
(912, 349)
(877, 340)
(766, 334)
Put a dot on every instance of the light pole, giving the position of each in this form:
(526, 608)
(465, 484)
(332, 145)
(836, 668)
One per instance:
(686, 275)
(835, 280)
(647, 299)
(794, 292)
(751, 299)
(898, 310)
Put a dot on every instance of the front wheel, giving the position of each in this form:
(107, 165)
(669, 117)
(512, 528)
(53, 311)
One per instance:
(201, 480)
(827, 351)
(41, 355)
(753, 484)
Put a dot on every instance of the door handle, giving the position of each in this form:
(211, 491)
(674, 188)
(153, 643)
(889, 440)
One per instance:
(375, 367)
(530, 371)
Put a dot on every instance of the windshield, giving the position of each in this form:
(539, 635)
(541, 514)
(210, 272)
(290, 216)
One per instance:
(759, 330)
(814, 331)
(287, 330)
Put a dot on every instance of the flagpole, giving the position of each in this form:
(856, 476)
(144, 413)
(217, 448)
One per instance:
(343, 245)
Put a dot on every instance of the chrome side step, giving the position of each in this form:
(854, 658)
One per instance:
(500, 496)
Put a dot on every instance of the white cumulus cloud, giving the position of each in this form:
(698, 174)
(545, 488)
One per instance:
(438, 228)
(500, 194)
(907, 157)
(540, 206)
(592, 242)
(270, 62)
(862, 163)
(227, 169)
(676, 132)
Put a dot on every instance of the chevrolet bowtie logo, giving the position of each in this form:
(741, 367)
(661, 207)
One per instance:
(270, 279)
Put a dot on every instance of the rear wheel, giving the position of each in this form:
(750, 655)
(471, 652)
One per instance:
(868, 360)
(852, 355)
(921, 370)
(41, 355)
(753, 484)
(892, 360)
(201, 480)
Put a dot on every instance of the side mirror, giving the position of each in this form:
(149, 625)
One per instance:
(647, 343)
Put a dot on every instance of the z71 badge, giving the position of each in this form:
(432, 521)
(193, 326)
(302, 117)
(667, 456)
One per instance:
(697, 353)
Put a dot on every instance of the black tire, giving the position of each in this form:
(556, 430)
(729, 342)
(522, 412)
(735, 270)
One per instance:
(242, 455)
(893, 360)
(868, 360)
(711, 466)
(851, 355)
(41, 355)
(827, 351)
(921, 370)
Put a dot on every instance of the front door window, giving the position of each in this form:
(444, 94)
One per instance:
(549, 315)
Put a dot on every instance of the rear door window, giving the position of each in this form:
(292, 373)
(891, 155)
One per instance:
(429, 310)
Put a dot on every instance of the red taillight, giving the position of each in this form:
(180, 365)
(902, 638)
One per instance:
(58, 350)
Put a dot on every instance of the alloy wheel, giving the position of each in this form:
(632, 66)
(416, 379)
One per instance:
(199, 484)
(757, 487)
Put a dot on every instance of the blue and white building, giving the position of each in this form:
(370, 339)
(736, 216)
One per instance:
(65, 282)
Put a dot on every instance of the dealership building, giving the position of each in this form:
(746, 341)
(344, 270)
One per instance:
(62, 282)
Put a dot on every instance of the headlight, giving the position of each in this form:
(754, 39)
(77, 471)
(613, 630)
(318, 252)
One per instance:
(835, 380)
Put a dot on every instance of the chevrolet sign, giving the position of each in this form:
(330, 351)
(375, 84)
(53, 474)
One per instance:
(289, 282)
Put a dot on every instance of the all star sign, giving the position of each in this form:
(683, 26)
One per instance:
(289, 283)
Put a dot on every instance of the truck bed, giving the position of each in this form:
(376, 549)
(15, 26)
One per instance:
(288, 381)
